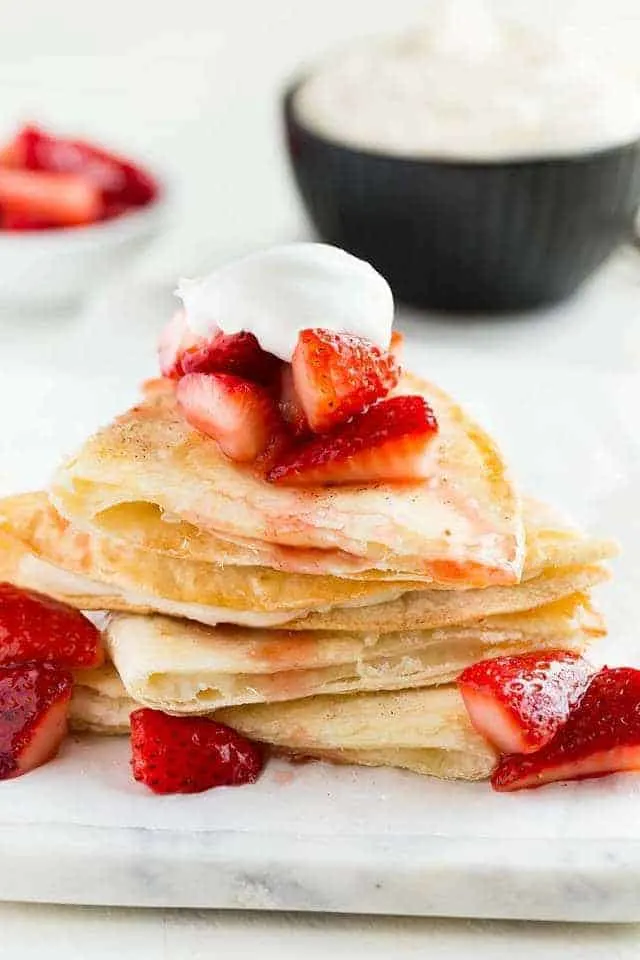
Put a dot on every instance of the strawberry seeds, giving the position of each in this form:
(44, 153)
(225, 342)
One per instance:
(329, 417)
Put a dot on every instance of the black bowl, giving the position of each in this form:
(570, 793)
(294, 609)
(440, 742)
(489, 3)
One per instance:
(466, 236)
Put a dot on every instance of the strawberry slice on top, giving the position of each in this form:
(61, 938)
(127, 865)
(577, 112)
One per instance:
(290, 406)
(34, 702)
(180, 351)
(518, 703)
(337, 375)
(386, 443)
(190, 754)
(239, 354)
(601, 736)
(37, 628)
(241, 416)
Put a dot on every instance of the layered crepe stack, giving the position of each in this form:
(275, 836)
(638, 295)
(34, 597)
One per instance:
(326, 622)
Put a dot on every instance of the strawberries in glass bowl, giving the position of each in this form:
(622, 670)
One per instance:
(70, 213)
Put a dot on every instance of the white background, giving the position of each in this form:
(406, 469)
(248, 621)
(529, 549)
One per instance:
(195, 84)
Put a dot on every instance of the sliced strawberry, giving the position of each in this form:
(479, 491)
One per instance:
(175, 339)
(190, 754)
(601, 736)
(388, 442)
(290, 406)
(36, 628)
(119, 180)
(34, 701)
(241, 416)
(337, 375)
(59, 198)
(237, 353)
(518, 703)
(21, 222)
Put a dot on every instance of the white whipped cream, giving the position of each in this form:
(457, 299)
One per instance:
(277, 292)
(472, 86)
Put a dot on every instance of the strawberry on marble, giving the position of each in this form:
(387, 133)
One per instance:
(601, 736)
(34, 702)
(518, 703)
(190, 754)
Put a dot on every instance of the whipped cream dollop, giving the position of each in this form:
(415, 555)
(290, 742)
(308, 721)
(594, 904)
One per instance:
(470, 85)
(277, 292)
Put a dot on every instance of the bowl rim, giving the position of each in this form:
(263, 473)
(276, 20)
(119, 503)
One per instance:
(560, 159)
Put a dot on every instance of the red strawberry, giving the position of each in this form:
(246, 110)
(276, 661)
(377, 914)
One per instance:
(175, 339)
(58, 198)
(34, 701)
(190, 754)
(601, 736)
(337, 375)
(290, 406)
(36, 628)
(518, 703)
(388, 442)
(118, 179)
(237, 353)
(240, 415)
(20, 222)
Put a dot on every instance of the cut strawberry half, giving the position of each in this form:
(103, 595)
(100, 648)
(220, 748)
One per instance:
(239, 354)
(37, 628)
(241, 416)
(57, 198)
(175, 339)
(290, 406)
(34, 702)
(190, 754)
(337, 376)
(21, 222)
(601, 736)
(388, 442)
(518, 703)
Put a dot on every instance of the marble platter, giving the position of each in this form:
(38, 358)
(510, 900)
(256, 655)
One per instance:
(320, 838)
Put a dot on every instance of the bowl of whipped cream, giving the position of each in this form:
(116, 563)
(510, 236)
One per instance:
(480, 164)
